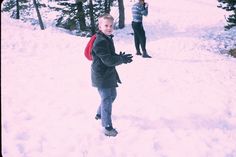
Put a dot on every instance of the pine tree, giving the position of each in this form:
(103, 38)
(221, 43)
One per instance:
(229, 5)
(69, 19)
(82, 15)
(18, 7)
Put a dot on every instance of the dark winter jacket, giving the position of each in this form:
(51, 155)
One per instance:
(103, 71)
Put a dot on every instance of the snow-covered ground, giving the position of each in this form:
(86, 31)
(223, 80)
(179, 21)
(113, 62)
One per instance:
(182, 102)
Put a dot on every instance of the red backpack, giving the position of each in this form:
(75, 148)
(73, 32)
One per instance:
(88, 48)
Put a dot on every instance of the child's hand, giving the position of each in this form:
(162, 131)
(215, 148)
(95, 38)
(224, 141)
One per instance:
(145, 5)
(127, 58)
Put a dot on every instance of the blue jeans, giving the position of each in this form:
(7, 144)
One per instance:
(108, 95)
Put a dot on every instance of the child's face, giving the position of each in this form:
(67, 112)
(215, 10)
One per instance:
(106, 26)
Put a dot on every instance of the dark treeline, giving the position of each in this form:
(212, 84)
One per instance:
(79, 15)
(82, 15)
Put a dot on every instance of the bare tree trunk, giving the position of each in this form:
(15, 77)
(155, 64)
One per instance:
(17, 10)
(38, 14)
(121, 14)
(81, 15)
(93, 27)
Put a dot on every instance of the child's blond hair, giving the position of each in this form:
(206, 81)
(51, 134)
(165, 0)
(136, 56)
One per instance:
(105, 16)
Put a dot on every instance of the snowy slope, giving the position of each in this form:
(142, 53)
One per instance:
(179, 103)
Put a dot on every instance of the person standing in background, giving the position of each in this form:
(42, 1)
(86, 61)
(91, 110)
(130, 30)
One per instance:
(139, 10)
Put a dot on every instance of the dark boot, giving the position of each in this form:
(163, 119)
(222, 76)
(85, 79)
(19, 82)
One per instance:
(110, 132)
(145, 55)
(98, 116)
(138, 53)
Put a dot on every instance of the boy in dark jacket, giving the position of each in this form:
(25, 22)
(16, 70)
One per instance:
(103, 72)
(139, 10)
